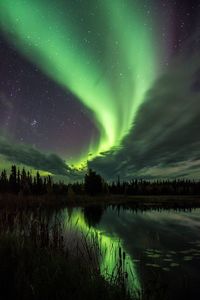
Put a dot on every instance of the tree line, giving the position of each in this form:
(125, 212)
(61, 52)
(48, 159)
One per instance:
(22, 182)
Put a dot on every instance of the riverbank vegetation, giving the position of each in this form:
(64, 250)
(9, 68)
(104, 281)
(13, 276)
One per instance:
(39, 261)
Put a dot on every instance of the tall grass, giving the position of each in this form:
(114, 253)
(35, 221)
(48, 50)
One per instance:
(37, 262)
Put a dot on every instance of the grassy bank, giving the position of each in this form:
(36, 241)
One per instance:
(27, 272)
(36, 262)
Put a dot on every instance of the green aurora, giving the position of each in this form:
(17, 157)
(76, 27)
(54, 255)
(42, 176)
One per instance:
(108, 68)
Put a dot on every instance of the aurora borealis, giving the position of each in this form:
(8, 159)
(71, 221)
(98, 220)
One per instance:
(112, 97)
(85, 68)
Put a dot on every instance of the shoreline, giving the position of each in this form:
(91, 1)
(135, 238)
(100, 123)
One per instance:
(135, 201)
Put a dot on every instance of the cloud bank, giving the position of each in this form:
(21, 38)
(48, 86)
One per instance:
(26, 155)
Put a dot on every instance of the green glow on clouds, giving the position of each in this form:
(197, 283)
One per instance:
(108, 68)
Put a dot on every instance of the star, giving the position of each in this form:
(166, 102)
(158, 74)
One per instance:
(34, 123)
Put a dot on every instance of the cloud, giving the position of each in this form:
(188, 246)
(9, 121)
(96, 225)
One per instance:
(26, 155)
(165, 138)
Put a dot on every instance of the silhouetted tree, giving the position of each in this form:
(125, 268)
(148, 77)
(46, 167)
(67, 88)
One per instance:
(13, 180)
(21, 181)
(93, 183)
(4, 182)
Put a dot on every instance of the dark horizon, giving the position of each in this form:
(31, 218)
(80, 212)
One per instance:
(23, 183)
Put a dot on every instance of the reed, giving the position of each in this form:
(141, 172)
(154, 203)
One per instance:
(37, 262)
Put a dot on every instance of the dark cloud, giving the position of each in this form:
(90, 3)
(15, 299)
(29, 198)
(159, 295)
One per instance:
(165, 138)
(26, 155)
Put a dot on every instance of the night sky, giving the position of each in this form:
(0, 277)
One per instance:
(115, 84)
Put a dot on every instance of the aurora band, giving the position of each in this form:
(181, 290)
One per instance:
(108, 68)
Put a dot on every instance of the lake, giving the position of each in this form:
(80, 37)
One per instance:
(155, 251)
(160, 250)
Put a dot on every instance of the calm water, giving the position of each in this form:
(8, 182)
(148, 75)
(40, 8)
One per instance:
(162, 247)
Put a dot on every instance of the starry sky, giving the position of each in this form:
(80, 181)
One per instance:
(111, 84)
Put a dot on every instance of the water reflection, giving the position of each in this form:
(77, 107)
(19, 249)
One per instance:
(164, 244)
(113, 255)
(156, 248)
(93, 214)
